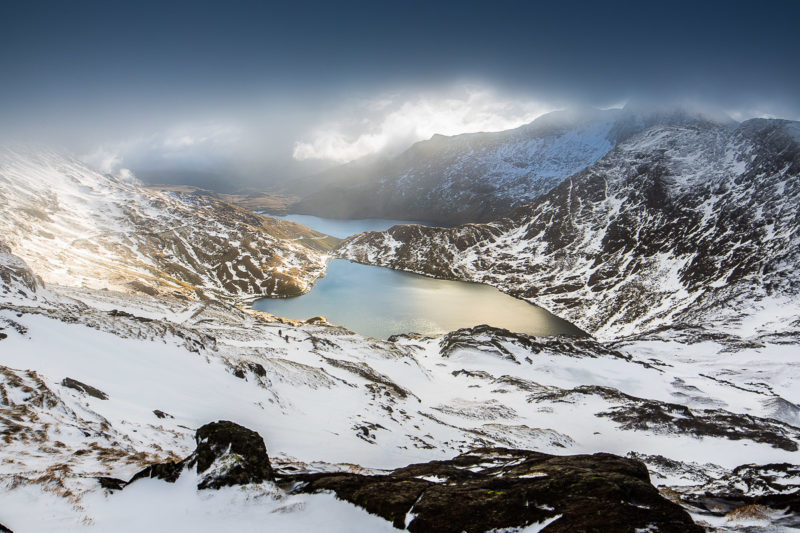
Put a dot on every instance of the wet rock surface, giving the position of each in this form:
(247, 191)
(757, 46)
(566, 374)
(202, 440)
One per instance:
(493, 488)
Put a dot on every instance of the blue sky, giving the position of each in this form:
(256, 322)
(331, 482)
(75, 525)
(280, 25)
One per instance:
(267, 77)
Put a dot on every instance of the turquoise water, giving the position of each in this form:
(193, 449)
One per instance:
(379, 302)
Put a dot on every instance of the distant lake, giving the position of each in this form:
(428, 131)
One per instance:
(380, 302)
(346, 227)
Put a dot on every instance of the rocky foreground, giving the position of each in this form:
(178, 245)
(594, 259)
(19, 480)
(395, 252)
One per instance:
(482, 490)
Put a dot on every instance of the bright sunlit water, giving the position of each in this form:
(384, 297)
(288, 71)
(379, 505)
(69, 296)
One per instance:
(380, 302)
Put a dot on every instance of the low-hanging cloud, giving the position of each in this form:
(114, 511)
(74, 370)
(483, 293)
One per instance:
(192, 146)
(391, 123)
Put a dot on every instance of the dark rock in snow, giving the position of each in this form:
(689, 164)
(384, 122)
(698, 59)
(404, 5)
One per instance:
(111, 483)
(370, 374)
(500, 342)
(774, 486)
(257, 369)
(83, 387)
(15, 275)
(238, 452)
(226, 454)
(169, 471)
(496, 488)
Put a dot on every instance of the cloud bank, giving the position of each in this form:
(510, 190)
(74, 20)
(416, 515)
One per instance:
(201, 146)
(391, 123)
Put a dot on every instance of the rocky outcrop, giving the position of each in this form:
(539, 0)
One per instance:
(765, 495)
(83, 387)
(230, 454)
(16, 277)
(639, 414)
(495, 488)
(504, 344)
(483, 490)
(226, 454)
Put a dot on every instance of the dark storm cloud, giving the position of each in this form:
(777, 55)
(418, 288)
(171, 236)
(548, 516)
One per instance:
(95, 69)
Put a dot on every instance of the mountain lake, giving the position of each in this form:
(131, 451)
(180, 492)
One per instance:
(380, 302)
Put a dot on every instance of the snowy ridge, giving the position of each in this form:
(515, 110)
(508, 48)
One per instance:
(476, 177)
(678, 224)
(74, 226)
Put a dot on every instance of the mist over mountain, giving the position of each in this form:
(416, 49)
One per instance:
(437, 267)
(481, 176)
(680, 222)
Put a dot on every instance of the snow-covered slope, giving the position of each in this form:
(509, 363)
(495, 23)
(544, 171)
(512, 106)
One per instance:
(679, 223)
(74, 226)
(475, 177)
(97, 383)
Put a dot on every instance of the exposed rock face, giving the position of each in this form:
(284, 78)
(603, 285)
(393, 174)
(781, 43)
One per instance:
(495, 488)
(15, 275)
(83, 387)
(634, 413)
(231, 454)
(226, 454)
(474, 177)
(772, 483)
(677, 224)
(486, 489)
(765, 495)
(499, 342)
(77, 227)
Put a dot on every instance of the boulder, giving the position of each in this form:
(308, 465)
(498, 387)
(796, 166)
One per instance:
(226, 454)
(230, 454)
